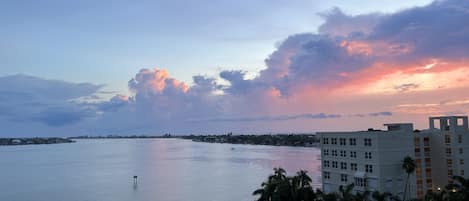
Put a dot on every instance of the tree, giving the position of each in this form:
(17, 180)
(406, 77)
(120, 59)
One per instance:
(436, 196)
(279, 187)
(268, 188)
(408, 165)
(377, 196)
(302, 188)
(458, 190)
(346, 193)
(362, 196)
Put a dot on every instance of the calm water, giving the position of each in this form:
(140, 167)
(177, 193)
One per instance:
(168, 170)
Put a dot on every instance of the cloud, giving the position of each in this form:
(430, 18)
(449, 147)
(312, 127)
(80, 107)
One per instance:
(406, 87)
(269, 118)
(339, 24)
(352, 67)
(50, 102)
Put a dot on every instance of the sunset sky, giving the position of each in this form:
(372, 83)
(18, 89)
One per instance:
(267, 66)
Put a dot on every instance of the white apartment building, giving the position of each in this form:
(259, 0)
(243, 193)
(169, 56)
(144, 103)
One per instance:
(372, 159)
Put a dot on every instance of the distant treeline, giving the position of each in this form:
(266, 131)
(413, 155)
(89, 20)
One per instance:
(123, 136)
(300, 140)
(37, 140)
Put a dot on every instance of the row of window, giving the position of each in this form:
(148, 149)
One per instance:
(343, 177)
(426, 141)
(343, 153)
(361, 182)
(343, 166)
(343, 141)
(448, 139)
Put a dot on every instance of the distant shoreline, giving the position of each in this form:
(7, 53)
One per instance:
(291, 140)
(32, 141)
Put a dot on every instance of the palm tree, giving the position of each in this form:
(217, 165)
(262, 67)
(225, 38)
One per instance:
(301, 186)
(266, 191)
(458, 190)
(268, 188)
(326, 196)
(436, 196)
(304, 179)
(362, 196)
(408, 165)
(377, 196)
(279, 187)
(345, 193)
(280, 173)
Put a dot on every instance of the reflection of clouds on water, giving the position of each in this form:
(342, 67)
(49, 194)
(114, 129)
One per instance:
(261, 157)
(169, 169)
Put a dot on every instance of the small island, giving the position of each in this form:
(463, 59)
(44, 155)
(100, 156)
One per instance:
(36, 140)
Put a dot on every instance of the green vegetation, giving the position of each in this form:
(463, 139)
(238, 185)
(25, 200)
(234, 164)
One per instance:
(280, 187)
(37, 140)
(300, 140)
(408, 165)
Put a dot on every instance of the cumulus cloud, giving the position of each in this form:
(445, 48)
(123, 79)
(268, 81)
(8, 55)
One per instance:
(343, 70)
(339, 24)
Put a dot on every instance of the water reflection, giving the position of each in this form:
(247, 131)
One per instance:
(167, 169)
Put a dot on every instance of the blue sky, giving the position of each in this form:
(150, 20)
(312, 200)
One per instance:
(171, 66)
(107, 42)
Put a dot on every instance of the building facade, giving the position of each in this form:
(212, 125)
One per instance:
(372, 159)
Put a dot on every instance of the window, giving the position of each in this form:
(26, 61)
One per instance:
(343, 165)
(448, 151)
(426, 141)
(343, 178)
(367, 155)
(427, 151)
(334, 164)
(417, 152)
(326, 164)
(333, 140)
(459, 138)
(460, 151)
(447, 139)
(429, 183)
(369, 168)
(360, 182)
(343, 153)
(327, 175)
(428, 172)
(343, 141)
(353, 154)
(428, 162)
(353, 141)
(325, 141)
(461, 161)
(334, 152)
(417, 142)
(462, 173)
(326, 152)
(367, 141)
(449, 163)
(353, 166)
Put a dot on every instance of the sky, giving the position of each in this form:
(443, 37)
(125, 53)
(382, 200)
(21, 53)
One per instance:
(196, 67)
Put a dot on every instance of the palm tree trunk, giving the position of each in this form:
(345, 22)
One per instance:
(405, 187)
